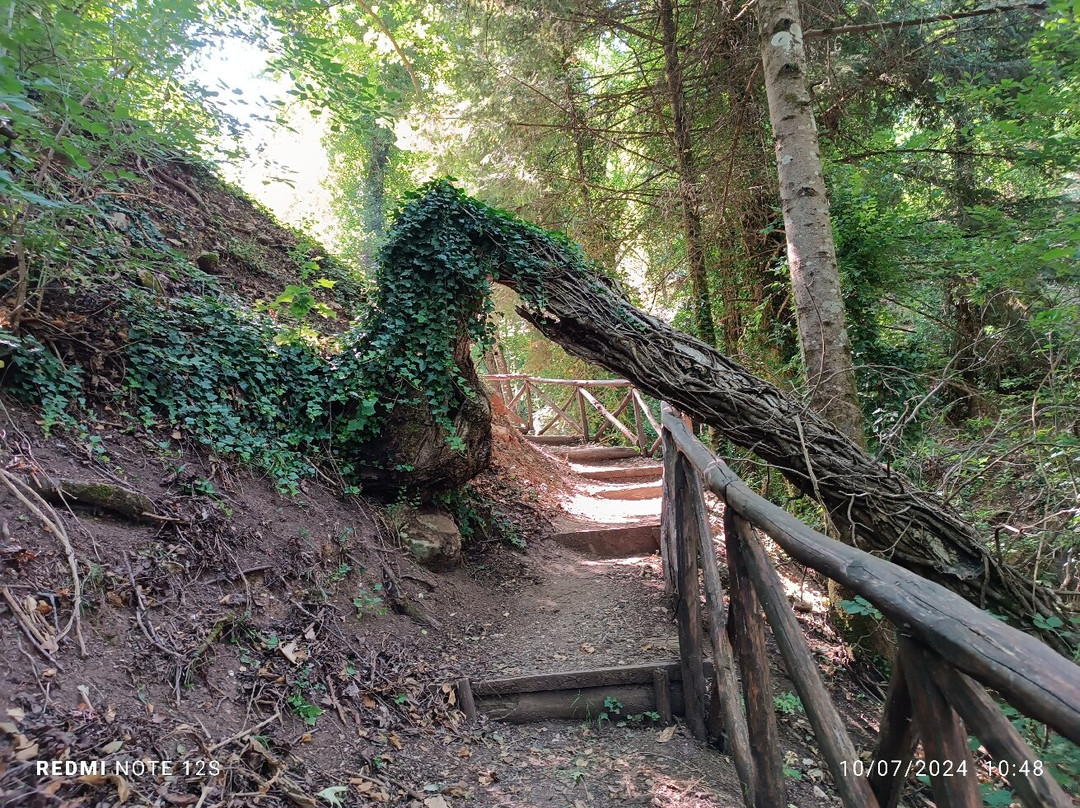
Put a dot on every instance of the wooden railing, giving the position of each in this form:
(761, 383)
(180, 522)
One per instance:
(948, 650)
(534, 394)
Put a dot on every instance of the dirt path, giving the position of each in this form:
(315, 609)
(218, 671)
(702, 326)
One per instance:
(569, 611)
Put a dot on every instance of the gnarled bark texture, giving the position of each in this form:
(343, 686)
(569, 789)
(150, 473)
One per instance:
(587, 315)
(412, 448)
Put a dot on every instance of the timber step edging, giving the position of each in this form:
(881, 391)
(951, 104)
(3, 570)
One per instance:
(586, 452)
(586, 694)
(612, 542)
(621, 474)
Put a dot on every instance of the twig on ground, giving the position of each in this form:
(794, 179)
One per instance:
(31, 632)
(151, 635)
(56, 527)
(243, 732)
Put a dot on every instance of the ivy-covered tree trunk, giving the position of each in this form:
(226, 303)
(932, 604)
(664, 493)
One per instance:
(380, 142)
(815, 277)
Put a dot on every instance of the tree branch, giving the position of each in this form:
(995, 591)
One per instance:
(817, 33)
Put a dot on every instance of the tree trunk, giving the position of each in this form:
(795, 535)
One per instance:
(688, 178)
(380, 142)
(815, 278)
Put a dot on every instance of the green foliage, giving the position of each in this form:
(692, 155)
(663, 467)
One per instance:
(480, 519)
(303, 694)
(434, 289)
(1060, 756)
(226, 378)
(370, 603)
(861, 606)
(33, 374)
(788, 704)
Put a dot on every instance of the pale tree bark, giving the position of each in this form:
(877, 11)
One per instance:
(688, 177)
(815, 277)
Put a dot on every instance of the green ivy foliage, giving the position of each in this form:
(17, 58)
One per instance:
(253, 386)
(33, 374)
(220, 373)
(434, 287)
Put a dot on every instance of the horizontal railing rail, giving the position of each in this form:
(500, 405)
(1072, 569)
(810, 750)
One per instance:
(948, 650)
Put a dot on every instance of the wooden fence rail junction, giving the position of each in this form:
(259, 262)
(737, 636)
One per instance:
(515, 388)
(948, 651)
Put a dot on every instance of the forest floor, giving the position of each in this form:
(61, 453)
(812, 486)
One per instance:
(260, 645)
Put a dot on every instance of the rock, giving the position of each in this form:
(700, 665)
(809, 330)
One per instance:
(209, 262)
(432, 538)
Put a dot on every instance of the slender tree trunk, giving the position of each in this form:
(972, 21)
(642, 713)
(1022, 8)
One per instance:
(815, 278)
(688, 177)
(381, 140)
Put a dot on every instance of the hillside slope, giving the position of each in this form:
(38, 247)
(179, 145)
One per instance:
(173, 359)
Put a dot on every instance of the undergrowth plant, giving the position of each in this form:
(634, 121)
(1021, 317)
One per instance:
(480, 519)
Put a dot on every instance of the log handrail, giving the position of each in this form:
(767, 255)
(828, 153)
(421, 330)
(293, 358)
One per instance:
(498, 377)
(944, 640)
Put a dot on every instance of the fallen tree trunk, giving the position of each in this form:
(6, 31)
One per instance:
(443, 234)
(878, 509)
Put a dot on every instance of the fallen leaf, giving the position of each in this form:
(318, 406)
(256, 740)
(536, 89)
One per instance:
(395, 741)
(123, 790)
(333, 794)
(292, 653)
(436, 802)
(26, 753)
(112, 746)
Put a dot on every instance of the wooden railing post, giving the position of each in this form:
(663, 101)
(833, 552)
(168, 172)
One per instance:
(748, 639)
(726, 689)
(832, 737)
(669, 559)
(949, 651)
(688, 609)
(944, 740)
(583, 413)
(639, 430)
(1031, 781)
(529, 408)
(897, 739)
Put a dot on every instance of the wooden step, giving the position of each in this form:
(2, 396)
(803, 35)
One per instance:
(581, 695)
(622, 474)
(554, 440)
(577, 453)
(612, 542)
(631, 493)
